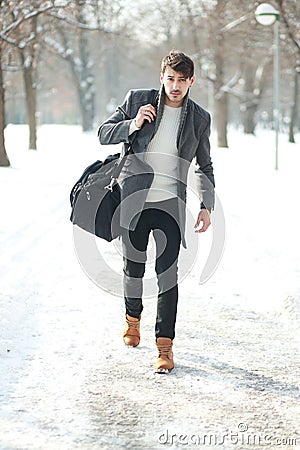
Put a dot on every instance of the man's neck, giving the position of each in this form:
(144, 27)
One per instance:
(173, 104)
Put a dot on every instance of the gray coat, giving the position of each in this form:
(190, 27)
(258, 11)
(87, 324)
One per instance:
(136, 176)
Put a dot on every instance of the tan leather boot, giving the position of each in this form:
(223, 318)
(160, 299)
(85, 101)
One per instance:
(165, 362)
(131, 335)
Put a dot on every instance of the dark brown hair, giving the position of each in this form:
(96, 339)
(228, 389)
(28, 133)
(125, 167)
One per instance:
(179, 62)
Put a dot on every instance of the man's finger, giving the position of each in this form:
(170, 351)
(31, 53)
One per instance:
(205, 224)
(149, 112)
(151, 108)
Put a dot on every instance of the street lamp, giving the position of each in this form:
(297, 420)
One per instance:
(266, 14)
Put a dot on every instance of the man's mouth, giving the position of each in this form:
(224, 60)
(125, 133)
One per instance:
(175, 93)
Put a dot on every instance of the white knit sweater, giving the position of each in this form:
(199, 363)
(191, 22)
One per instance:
(162, 154)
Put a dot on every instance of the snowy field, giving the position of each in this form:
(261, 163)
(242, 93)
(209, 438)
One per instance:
(68, 382)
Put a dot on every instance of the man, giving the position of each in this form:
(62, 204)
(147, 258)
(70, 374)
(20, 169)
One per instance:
(165, 130)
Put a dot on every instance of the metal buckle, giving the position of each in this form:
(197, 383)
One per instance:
(109, 187)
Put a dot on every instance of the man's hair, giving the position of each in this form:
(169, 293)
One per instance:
(179, 62)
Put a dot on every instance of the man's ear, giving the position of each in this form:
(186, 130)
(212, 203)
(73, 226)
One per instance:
(192, 81)
(161, 77)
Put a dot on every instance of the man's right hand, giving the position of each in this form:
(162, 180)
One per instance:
(146, 112)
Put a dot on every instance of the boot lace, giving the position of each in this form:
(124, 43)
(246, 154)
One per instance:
(164, 349)
(133, 324)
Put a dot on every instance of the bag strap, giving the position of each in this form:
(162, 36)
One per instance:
(118, 167)
(120, 164)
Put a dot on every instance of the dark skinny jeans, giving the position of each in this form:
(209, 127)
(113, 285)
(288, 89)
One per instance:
(161, 218)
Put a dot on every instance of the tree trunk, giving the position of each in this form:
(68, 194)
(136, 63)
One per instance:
(31, 108)
(248, 119)
(222, 119)
(294, 111)
(4, 161)
(87, 112)
(28, 57)
(249, 106)
(86, 82)
(30, 94)
(221, 97)
(81, 69)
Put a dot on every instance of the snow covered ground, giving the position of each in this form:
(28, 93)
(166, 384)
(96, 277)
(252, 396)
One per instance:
(68, 382)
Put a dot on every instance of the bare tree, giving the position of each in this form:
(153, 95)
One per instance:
(68, 38)
(235, 55)
(295, 106)
(4, 161)
(290, 13)
(23, 31)
(247, 38)
(209, 21)
(15, 17)
(27, 50)
(71, 37)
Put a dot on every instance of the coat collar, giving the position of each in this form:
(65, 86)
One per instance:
(160, 100)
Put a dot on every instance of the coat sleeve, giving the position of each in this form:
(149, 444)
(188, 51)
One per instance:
(115, 129)
(204, 172)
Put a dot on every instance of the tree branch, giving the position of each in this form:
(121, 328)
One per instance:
(287, 25)
(28, 16)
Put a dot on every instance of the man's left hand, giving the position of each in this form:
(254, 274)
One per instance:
(204, 218)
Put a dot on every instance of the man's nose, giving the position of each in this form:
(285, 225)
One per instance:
(175, 85)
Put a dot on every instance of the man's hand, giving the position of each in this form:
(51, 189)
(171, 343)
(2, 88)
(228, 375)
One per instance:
(204, 217)
(146, 112)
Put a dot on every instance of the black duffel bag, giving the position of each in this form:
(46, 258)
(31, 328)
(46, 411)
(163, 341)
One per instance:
(95, 198)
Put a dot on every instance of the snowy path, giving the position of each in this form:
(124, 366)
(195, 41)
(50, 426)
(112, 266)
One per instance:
(68, 382)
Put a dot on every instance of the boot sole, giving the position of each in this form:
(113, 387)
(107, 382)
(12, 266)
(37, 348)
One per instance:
(163, 370)
(131, 346)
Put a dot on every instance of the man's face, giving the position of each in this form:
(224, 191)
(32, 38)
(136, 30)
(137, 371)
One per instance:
(176, 86)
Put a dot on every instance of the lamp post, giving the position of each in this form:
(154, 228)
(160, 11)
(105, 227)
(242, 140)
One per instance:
(266, 14)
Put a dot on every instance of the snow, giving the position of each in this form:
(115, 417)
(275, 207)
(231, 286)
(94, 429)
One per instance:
(67, 381)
